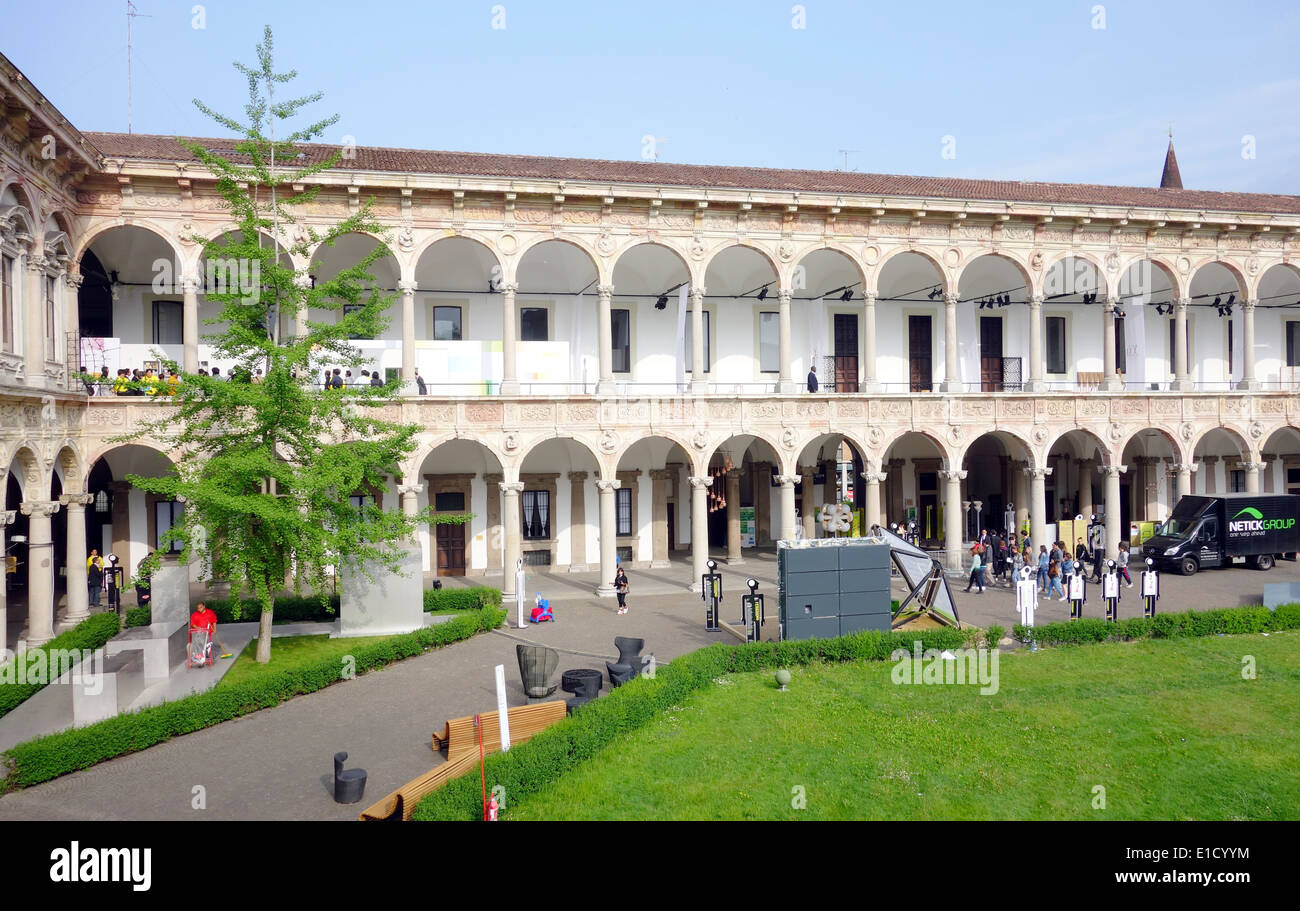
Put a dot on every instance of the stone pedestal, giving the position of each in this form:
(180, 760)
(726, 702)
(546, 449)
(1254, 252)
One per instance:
(169, 593)
(393, 603)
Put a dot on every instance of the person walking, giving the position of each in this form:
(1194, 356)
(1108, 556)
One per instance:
(621, 588)
(1054, 581)
(976, 566)
(1067, 571)
(1044, 561)
(1122, 562)
(94, 576)
(1097, 541)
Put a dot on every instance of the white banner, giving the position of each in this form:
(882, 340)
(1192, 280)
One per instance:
(1135, 343)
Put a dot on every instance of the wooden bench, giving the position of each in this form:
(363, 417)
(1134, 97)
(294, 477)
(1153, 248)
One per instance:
(458, 740)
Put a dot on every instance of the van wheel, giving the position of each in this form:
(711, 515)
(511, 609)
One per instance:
(1264, 562)
(1188, 566)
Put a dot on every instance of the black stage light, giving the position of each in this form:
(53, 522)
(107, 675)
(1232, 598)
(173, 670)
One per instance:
(662, 302)
(762, 293)
(847, 295)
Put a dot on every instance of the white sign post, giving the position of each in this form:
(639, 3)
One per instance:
(1026, 597)
(519, 590)
(503, 713)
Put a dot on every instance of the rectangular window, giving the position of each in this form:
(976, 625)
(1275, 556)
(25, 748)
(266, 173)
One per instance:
(51, 350)
(1236, 481)
(6, 304)
(623, 502)
(621, 339)
(1056, 344)
(537, 514)
(349, 309)
(167, 328)
(1293, 343)
(446, 324)
(449, 501)
(1229, 349)
(769, 342)
(166, 514)
(690, 343)
(1121, 347)
(533, 325)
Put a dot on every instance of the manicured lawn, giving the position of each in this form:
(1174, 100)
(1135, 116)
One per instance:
(1169, 728)
(288, 652)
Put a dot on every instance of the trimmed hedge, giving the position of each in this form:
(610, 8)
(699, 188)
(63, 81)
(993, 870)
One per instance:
(1224, 621)
(58, 754)
(529, 767)
(90, 633)
(453, 599)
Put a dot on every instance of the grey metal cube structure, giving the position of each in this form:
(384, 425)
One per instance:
(837, 586)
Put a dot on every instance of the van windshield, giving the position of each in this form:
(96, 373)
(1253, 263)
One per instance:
(1177, 528)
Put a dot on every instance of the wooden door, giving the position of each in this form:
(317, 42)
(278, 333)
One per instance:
(451, 549)
(846, 352)
(919, 353)
(991, 353)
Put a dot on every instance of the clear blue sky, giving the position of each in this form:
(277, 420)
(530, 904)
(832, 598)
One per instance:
(1028, 90)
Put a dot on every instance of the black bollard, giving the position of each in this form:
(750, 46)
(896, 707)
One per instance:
(349, 784)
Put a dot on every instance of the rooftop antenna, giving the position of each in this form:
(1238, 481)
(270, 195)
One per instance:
(130, 14)
(844, 157)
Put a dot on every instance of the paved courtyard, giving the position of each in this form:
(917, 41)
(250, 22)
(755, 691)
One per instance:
(276, 764)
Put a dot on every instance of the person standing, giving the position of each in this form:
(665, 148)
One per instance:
(94, 576)
(419, 383)
(1122, 562)
(812, 379)
(621, 589)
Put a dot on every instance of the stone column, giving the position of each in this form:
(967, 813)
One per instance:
(1038, 506)
(78, 594)
(509, 333)
(872, 517)
(870, 383)
(699, 382)
(734, 555)
(1181, 379)
(34, 322)
(699, 529)
(577, 522)
(787, 505)
(1252, 470)
(1036, 383)
(408, 334)
(1268, 458)
(410, 497)
(511, 518)
(40, 571)
(952, 369)
(806, 503)
(1184, 480)
(1110, 379)
(1020, 491)
(953, 518)
(605, 339)
(1085, 486)
(786, 384)
(660, 479)
(831, 486)
(608, 537)
(190, 325)
(7, 517)
(1112, 473)
(300, 314)
(1211, 473)
(1248, 380)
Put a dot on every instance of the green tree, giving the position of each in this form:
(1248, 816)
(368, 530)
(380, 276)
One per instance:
(267, 468)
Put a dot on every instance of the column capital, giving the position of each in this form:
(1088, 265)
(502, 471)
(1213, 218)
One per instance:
(701, 483)
(1253, 467)
(414, 489)
(35, 263)
(1110, 304)
(1036, 300)
(950, 298)
(788, 480)
(190, 285)
(408, 287)
(896, 463)
(784, 296)
(605, 292)
(7, 517)
(73, 280)
(1084, 464)
(697, 293)
(79, 500)
(869, 298)
(733, 474)
(509, 487)
(578, 476)
(1249, 303)
(874, 477)
(41, 508)
(1209, 459)
(508, 288)
(952, 475)
(604, 486)
(1111, 471)
(1182, 304)
(1038, 473)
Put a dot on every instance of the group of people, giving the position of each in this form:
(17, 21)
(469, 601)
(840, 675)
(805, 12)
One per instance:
(343, 379)
(1052, 568)
(151, 382)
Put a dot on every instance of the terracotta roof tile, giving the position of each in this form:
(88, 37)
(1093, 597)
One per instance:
(477, 164)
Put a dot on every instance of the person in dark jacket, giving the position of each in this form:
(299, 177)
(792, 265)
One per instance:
(419, 383)
(812, 380)
(375, 379)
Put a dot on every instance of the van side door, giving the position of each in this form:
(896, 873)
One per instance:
(1207, 541)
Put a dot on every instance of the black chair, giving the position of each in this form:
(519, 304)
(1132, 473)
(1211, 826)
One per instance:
(536, 665)
(584, 683)
(629, 660)
(350, 784)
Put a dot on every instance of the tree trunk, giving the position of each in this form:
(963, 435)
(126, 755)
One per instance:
(264, 638)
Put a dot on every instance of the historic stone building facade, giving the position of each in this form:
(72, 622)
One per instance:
(616, 353)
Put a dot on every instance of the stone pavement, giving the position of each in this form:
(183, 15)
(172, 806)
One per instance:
(276, 763)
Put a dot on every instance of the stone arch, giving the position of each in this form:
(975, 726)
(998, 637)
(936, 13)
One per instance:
(605, 463)
(946, 278)
(783, 278)
(1238, 437)
(95, 232)
(945, 452)
(597, 261)
(783, 455)
(1178, 287)
(1244, 287)
(637, 242)
(1105, 286)
(193, 262)
(1107, 454)
(854, 260)
(70, 467)
(411, 467)
(672, 437)
(1033, 286)
(413, 258)
(33, 480)
(1180, 451)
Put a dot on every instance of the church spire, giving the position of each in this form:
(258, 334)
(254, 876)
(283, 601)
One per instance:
(1170, 179)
